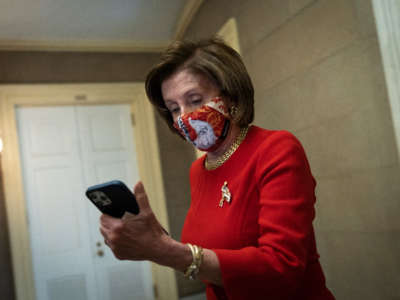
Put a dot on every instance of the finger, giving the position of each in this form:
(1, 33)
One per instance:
(103, 233)
(106, 220)
(141, 196)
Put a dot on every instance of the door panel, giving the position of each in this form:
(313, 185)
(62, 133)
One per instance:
(67, 288)
(49, 137)
(106, 127)
(54, 206)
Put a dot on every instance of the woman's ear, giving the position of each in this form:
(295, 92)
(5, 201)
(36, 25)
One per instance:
(233, 112)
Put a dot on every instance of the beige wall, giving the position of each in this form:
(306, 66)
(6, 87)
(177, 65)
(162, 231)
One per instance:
(317, 72)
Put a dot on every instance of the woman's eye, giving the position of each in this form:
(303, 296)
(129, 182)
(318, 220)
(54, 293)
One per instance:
(197, 101)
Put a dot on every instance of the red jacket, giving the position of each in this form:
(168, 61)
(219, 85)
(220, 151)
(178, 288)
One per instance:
(263, 238)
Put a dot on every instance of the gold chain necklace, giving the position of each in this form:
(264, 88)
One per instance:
(224, 157)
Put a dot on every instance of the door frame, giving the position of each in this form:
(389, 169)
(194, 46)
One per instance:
(148, 158)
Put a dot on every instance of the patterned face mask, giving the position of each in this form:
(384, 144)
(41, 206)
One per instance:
(206, 127)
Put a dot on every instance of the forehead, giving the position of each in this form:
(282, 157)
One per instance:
(183, 81)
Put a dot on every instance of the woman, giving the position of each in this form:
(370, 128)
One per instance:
(248, 233)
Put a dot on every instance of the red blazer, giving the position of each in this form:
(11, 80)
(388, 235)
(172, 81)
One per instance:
(263, 238)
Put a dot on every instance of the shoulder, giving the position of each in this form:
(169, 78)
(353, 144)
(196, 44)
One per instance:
(281, 159)
(277, 148)
(274, 140)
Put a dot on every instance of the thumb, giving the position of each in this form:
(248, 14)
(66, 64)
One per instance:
(141, 197)
(143, 201)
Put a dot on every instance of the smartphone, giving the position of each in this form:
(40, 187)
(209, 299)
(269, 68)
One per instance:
(113, 198)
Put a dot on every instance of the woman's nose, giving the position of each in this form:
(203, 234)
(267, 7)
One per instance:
(181, 113)
(185, 110)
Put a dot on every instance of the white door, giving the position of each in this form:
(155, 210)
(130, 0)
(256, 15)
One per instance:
(64, 150)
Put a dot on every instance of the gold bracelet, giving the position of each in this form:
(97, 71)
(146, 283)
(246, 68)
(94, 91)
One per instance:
(194, 268)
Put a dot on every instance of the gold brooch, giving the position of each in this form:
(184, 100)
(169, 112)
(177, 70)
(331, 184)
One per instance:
(226, 194)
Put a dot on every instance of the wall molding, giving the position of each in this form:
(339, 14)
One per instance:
(387, 17)
(82, 46)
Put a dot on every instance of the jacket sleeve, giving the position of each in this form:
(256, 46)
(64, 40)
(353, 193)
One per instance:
(286, 198)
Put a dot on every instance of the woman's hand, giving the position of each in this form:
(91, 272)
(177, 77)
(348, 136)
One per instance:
(141, 237)
(135, 237)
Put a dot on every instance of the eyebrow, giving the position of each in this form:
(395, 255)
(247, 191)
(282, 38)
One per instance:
(190, 91)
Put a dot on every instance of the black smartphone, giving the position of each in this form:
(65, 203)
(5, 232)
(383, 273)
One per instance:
(113, 198)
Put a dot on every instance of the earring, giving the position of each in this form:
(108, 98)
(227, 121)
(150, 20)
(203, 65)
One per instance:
(233, 111)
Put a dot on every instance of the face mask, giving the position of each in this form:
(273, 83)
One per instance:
(206, 127)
